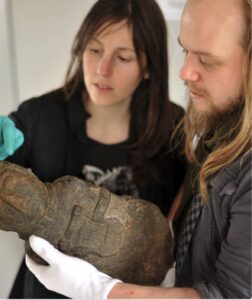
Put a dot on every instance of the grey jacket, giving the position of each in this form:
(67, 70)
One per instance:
(218, 263)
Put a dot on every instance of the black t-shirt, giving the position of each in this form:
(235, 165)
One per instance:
(56, 144)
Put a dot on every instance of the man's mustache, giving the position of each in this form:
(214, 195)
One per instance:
(190, 86)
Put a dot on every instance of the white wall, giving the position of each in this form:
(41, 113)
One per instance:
(7, 57)
(44, 32)
(11, 248)
(176, 86)
(35, 41)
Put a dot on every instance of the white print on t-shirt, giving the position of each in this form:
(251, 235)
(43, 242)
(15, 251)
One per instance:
(119, 180)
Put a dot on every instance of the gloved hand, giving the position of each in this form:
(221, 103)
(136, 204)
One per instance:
(11, 138)
(70, 276)
(169, 280)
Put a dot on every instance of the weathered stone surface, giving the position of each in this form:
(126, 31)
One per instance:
(124, 237)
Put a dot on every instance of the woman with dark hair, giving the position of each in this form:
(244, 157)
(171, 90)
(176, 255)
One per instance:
(111, 122)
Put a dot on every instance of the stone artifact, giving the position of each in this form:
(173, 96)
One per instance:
(124, 237)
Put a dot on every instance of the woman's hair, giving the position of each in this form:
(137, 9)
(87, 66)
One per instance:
(150, 107)
(240, 142)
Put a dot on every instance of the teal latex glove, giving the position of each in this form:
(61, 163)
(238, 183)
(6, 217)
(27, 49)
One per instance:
(11, 138)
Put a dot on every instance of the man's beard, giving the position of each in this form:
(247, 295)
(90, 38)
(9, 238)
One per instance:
(218, 125)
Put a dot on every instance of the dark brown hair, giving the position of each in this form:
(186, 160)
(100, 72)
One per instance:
(150, 107)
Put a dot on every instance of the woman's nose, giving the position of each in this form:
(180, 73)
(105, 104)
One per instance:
(104, 67)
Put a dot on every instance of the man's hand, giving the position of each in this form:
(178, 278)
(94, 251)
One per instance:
(11, 138)
(70, 276)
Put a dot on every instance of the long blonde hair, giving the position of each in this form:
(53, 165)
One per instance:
(225, 154)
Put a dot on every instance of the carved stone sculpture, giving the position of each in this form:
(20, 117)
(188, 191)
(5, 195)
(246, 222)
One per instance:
(124, 237)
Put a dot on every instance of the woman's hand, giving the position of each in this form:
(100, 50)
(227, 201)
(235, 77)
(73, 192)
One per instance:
(11, 138)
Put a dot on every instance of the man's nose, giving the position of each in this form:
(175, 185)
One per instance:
(105, 67)
(190, 69)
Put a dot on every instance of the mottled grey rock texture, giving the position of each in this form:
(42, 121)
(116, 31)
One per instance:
(124, 237)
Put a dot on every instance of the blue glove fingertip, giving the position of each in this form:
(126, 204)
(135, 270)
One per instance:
(19, 139)
(11, 138)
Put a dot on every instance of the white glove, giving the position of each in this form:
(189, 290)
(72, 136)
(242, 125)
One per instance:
(66, 275)
(169, 280)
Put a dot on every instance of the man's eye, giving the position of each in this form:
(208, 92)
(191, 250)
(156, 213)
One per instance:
(205, 63)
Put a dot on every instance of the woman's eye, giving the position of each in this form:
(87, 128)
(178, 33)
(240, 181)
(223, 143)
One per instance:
(124, 59)
(94, 50)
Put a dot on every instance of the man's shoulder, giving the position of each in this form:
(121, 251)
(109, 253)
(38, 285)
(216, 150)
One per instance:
(236, 174)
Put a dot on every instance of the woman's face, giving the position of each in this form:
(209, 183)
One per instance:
(110, 66)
